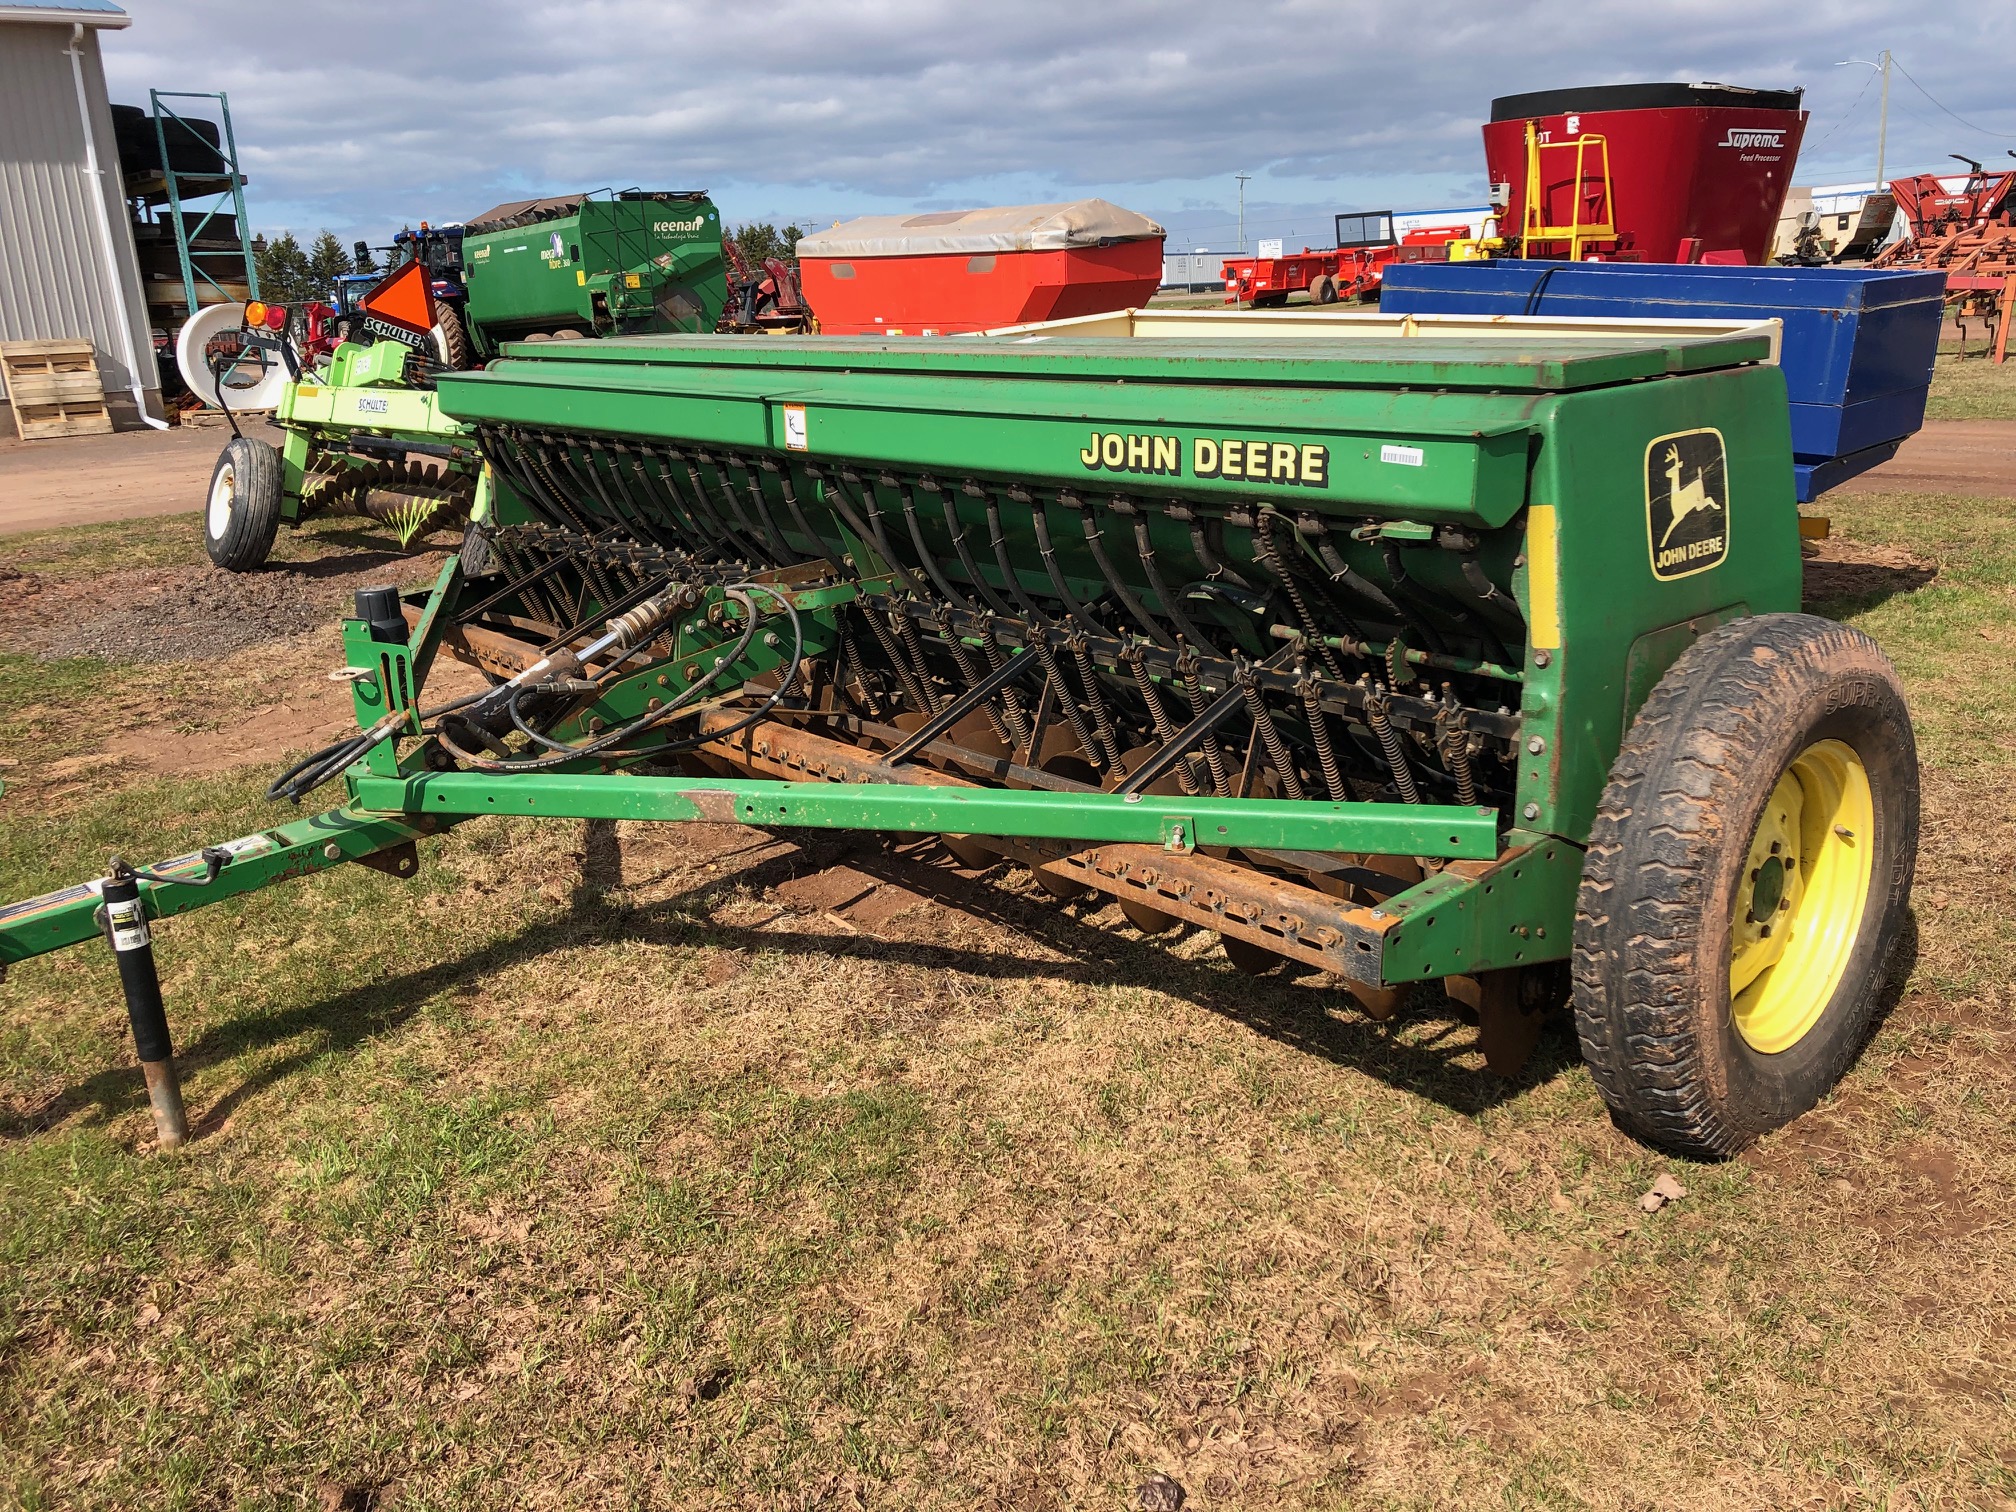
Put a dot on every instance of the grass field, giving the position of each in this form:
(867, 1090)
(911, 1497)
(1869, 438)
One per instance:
(1970, 387)
(522, 1185)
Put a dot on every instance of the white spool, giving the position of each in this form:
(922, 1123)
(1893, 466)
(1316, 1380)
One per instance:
(247, 386)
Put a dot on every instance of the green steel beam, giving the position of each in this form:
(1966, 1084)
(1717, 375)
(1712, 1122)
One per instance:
(1519, 911)
(1177, 823)
(66, 917)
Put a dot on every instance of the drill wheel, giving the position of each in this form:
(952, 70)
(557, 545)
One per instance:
(1745, 883)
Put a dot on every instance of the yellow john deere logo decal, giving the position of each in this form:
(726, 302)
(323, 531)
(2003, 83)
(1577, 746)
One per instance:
(1686, 502)
(1210, 457)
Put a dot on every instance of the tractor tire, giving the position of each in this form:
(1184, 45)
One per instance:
(243, 513)
(1324, 290)
(451, 339)
(1745, 883)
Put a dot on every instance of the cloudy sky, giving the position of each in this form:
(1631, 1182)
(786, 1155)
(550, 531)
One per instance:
(364, 115)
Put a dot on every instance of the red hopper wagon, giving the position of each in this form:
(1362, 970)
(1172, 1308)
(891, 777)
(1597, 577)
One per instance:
(942, 273)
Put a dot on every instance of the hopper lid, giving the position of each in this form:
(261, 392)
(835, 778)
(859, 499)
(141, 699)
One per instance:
(1591, 99)
(995, 228)
(526, 212)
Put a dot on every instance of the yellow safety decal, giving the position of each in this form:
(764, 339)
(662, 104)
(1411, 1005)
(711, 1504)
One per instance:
(1543, 580)
(581, 276)
(1815, 527)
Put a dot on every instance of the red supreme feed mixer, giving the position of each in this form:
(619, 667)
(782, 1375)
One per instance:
(942, 273)
(1669, 173)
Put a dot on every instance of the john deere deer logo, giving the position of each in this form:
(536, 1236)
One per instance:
(1686, 503)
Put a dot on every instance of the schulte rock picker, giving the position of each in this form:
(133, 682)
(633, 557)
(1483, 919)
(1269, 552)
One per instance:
(1410, 657)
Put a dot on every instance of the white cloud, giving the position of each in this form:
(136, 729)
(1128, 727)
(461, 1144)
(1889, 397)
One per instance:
(361, 115)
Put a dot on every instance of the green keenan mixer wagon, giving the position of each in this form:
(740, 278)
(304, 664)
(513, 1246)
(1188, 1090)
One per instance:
(1410, 657)
(618, 264)
(364, 435)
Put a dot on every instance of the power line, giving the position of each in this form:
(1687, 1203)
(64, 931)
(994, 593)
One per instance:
(1848, 114)
(2002, 135)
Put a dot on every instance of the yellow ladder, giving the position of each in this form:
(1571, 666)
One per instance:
(1577, 231)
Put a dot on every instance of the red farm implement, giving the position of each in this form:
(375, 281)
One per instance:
(1348, 271)
(1968, 231)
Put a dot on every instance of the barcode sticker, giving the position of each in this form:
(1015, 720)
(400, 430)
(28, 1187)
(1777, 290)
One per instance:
(1406, 456)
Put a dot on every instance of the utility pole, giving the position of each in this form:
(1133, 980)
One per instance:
(1883, 121)
(1242, 177)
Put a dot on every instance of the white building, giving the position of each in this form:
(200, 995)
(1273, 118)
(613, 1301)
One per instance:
(68, 268)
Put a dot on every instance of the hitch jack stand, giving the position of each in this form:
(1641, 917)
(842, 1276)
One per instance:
(133, 949)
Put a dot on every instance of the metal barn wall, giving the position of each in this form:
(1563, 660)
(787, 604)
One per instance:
(52, 248)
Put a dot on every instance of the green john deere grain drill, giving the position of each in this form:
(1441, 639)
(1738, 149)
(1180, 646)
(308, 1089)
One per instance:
(1427, 655)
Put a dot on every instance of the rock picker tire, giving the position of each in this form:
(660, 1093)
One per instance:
(1746, 881)
(1323, 290)
(243, 513)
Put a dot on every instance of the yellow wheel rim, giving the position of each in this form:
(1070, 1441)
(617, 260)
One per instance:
(1801, 896)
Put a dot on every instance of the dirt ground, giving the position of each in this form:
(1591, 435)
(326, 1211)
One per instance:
(128, 475)
(1976, 457)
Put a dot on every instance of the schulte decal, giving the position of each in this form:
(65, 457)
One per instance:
(1686, 503)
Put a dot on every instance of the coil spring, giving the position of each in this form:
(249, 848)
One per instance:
(1452, 737)
(1319, 734)
(1376, 715)
(1193, 690)
(1277, 752)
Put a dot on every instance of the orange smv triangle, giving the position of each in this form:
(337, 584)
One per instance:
(404, 298)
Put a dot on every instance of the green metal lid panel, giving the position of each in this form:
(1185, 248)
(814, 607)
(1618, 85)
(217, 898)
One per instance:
(1426, 428)
(1452, 456)
(1542, 362)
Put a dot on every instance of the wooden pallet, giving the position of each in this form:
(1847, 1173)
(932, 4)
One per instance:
(54, 389)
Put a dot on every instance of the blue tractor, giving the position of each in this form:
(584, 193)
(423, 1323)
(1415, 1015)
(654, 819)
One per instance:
(440, 248)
